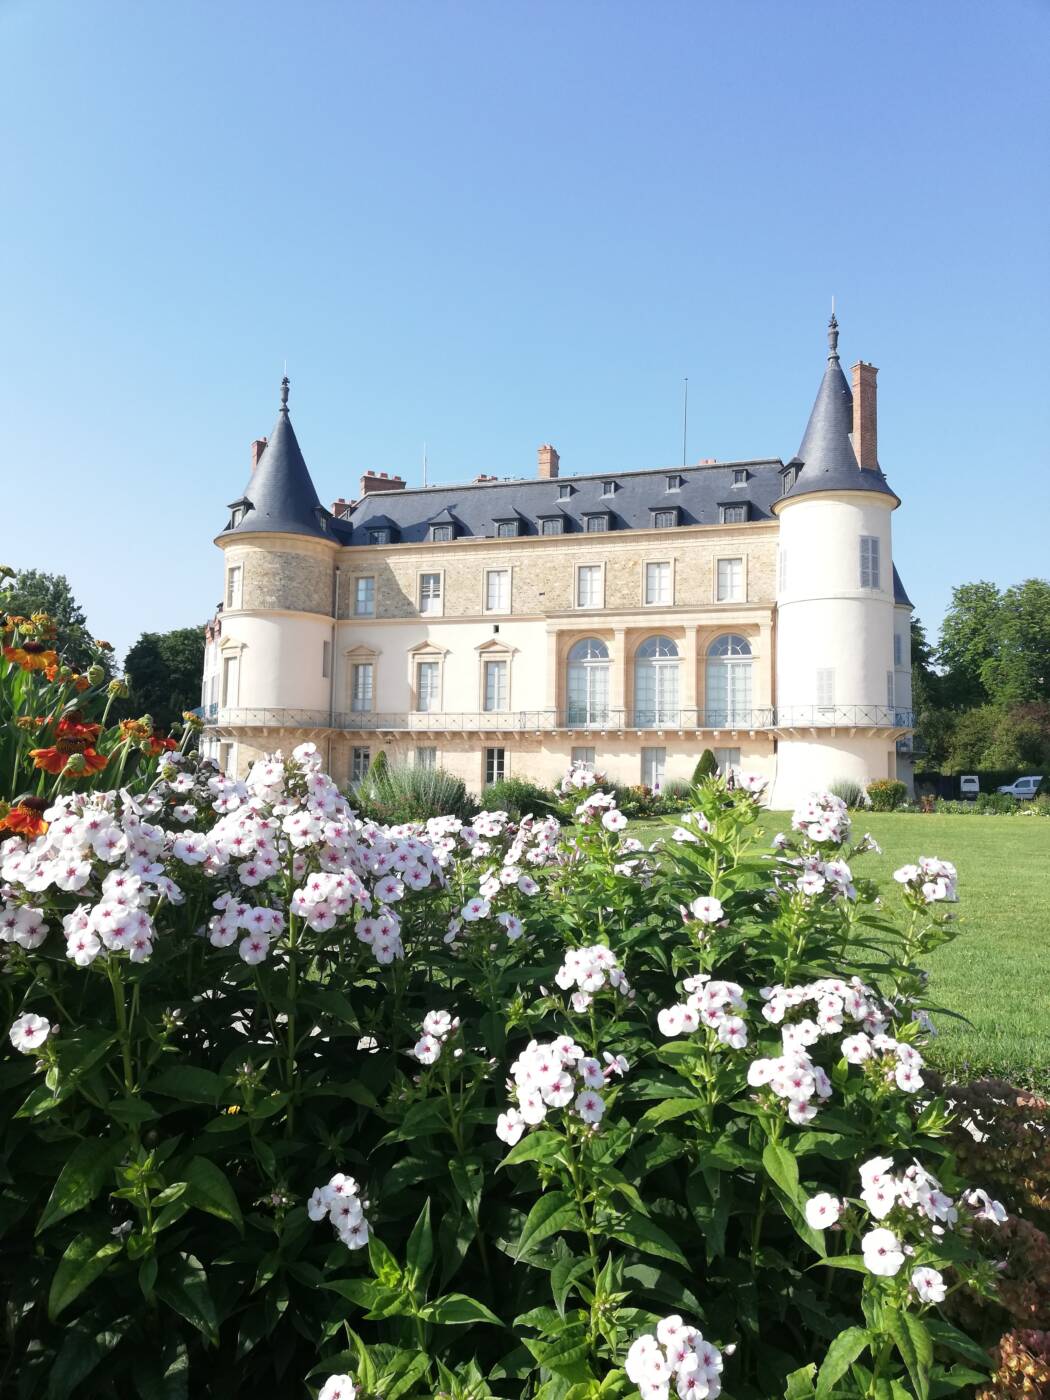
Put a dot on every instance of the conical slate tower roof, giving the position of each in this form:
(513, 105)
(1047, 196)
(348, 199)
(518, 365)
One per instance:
(828, 462)
(280, 495)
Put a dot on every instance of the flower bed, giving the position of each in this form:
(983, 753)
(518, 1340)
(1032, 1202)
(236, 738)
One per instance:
(297, 1104)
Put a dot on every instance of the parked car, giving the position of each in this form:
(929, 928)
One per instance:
(1024, 787)
(969, 786)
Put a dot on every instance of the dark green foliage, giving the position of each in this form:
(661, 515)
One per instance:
(33, 591)
(398, 793)
(852, 793)
(886, 794)
(518, 797)
(164, 675)
(706, 767)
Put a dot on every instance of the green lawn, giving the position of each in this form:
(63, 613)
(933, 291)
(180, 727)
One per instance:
(997, 972)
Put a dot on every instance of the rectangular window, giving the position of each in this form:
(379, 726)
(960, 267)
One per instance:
(552, 527)
(889, 689)
(427, 686)
(440, 534)
(360, 762)
(506, 529)
(361, 678)
(365, 597)
(379, 536)
(495, 766)
(869, 561)
(782, 564)
(226, 758)
(664, 519)
(674, 482)
(230, 665)
(733, 515)
(564, 492)
(234, 575)
(583, 758)
(730, 583)
(597, 524)
(326, 660)
(589, 586)
(497, 590)
(898, 648)
(608, 488)
(739, 476)
(826, 687)
(657, 584)
(727, 759)
(426, 758)
(430, 593)
(654, 762)
(495, 685)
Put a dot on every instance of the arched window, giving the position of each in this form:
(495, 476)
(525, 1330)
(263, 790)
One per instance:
(656, 682)
(728, 690)
(587, 691)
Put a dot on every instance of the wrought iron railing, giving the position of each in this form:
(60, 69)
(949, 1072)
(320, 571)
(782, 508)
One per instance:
(546, 721)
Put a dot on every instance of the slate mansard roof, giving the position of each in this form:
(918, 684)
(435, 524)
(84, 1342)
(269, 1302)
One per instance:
(280, 495)
(474, 509)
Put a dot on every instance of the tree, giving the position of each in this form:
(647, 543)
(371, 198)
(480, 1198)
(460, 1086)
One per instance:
(33, 591)
(164, 673)
(1019, 671)
(1001, 737)
(971, 636)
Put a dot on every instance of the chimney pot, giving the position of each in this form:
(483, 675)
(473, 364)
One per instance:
(258, 448)
(380, 481)
(548, 462)
(865, 416)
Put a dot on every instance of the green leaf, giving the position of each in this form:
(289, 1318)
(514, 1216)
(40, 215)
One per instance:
(945, 1335)
(554, 1211)
(782, 1167)
(840, 1356)
(402, 1374)
(643, 1234)
(534, 1147)
(456, 1309)
(564, 1354)
(564, 1274)
(800, 1383)
(185, 1290)
(667, 1109)
(208, 1188)
(78, 1356)
(86, 1171)
(384, 1265)
(188, 1083)
(85, 1259)
(854, 1262)
(913, 1342)
(420, 1252)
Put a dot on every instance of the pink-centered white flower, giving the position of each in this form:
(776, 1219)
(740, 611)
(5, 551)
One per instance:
(823, 1211)
(882, 1253)
(29, 1032)
(929, 1285)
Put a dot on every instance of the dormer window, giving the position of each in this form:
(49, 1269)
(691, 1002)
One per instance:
(740, 475)
(788, 478)
(441, 534)
(564, 491)
(379, 535)
(597, 524)
(608, 488)
(665, 519)
(507, 529)
(237, 516)
(674, 482)
(733, 514)
(552, 525)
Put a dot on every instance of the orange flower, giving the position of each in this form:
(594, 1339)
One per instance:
(32, 656)
(55, 759)
(157, 746)
(26, 817)
(72, 727)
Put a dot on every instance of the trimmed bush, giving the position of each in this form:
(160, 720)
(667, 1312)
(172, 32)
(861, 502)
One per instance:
(707, 767)
(518, 797)
(400, 793)
(887, 794)
(850, 792)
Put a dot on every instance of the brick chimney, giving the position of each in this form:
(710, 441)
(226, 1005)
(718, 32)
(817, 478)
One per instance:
(548, 467)
(258, 448)
(485, 476)
(380, 481)
(865, 416)
(341, 508)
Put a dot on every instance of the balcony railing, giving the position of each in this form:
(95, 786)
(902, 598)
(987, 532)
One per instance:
(548, 721)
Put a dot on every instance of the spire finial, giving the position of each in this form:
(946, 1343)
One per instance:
(284, 394)
(833, 334)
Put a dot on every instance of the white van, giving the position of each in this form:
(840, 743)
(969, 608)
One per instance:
(969, 786)
(1023, 788)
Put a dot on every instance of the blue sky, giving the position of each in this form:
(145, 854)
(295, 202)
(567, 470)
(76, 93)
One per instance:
(486, 226)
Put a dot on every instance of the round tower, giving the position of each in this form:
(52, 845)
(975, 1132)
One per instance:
(836, 711)
(277, 664)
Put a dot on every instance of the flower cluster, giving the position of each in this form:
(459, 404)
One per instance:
(822, 818)
(601, 806)
(556, 1075)
(589, 970)
(437, 1027)
(677, 1355)
(811, 876)
(710, 1004)
(581, 777)
(931, 879)
(341, 1202)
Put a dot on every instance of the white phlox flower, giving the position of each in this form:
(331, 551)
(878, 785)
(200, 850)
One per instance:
(677, 1355)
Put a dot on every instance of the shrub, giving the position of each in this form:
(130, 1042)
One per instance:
(465, 1111)
(707, 767)
(519, 797)
(404, 793)
(852, 793)
(886, 795)
(674, 794)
